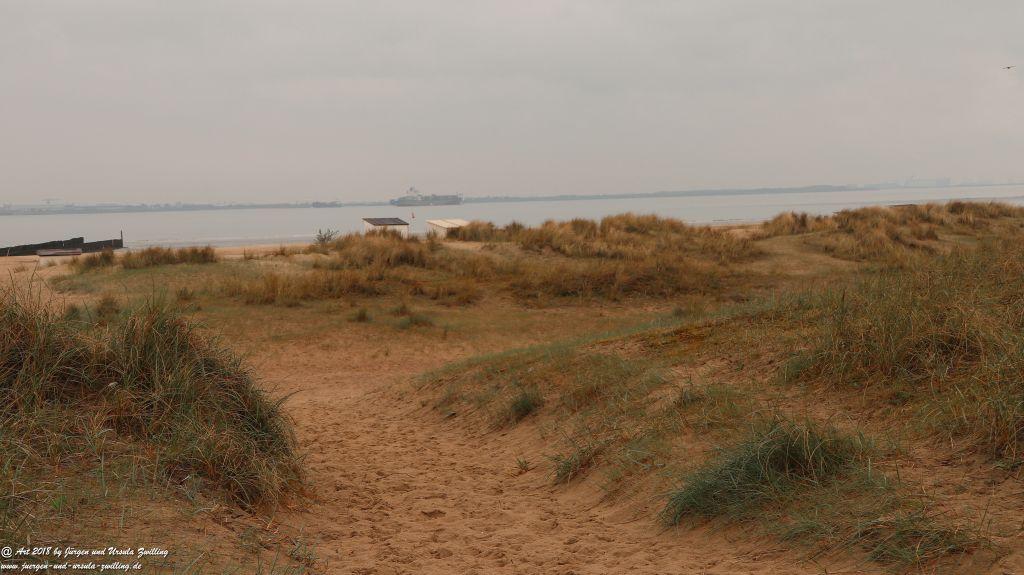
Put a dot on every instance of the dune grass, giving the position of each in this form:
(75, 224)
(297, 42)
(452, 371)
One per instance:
(148, 257)
(615, 414)
(618, 257)
(961, 216)
(624, 236)
(944, 338)
(377, 249)
(156, 256)
(89, 262)
(291, 288)
(147, 384)
(891, 235)
(814, 484)
(635, 237)
(580, 458)
(603, 405)
(523, 403)
(570, 379)
(776, 457)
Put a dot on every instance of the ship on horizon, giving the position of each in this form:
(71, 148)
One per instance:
(415, 198)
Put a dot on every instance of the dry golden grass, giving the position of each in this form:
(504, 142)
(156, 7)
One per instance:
(148, 257)
(892, 234)
(624, 236)
(619, 257)
(291, 288)
(376, 250)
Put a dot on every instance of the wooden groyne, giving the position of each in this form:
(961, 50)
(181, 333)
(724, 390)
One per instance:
(62, 245)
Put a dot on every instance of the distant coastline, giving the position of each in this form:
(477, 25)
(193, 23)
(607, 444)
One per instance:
(115, 208)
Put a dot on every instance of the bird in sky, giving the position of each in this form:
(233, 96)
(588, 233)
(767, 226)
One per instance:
(1009, 67)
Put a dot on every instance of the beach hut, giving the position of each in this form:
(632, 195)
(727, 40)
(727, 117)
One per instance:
(386, 225)
(442, 228)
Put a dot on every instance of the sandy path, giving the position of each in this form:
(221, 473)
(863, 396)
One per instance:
(401, 490)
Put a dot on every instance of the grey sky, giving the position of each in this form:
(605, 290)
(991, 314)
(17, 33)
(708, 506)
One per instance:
(155, 100)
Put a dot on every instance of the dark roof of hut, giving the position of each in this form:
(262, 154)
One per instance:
(385, 221)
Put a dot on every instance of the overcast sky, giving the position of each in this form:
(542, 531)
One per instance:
(156, 100)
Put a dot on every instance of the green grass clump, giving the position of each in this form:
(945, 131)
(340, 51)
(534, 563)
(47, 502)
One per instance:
(600, 377)
(870, 512)
(812, 484)
(524, 402)
(581, 457)
(148, 381)
(195, 400)
(711, 406)
(911, 537)
(946, 336)
(776, 457)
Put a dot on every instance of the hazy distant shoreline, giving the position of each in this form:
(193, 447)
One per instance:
(190, 207)
(246, 225)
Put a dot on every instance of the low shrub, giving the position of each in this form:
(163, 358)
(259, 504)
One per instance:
(325, 237)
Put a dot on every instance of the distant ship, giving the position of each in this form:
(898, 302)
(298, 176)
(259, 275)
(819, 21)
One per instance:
(414, 198)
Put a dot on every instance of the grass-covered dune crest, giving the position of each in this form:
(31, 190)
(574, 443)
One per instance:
(147, 385)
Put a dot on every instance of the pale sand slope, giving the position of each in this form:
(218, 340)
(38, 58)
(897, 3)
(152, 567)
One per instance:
(403, 490)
